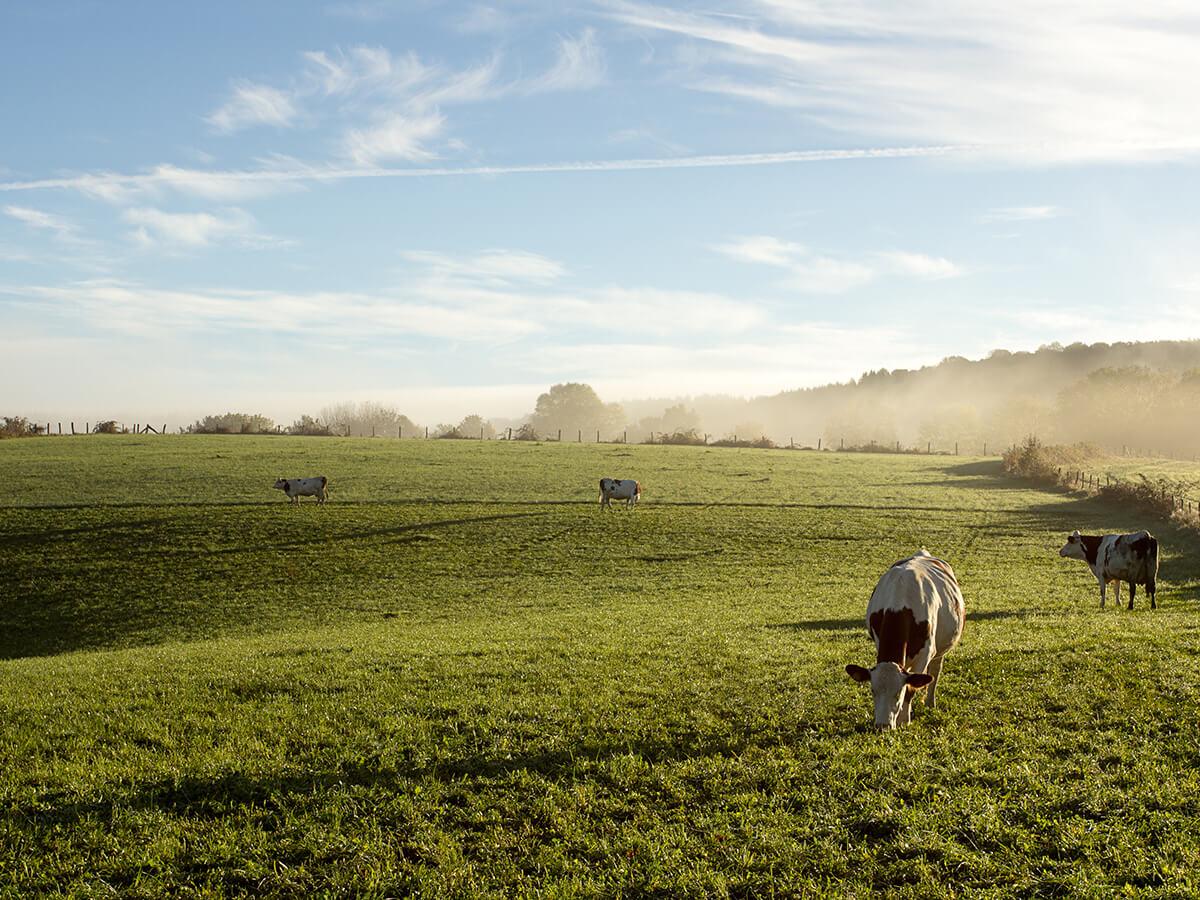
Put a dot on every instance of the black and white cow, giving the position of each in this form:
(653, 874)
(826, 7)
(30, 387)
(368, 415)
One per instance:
(915, 617)
(1118, 557)
(617, 489)
(296, 488)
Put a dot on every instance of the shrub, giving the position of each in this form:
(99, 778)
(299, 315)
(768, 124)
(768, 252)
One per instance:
(763, 443)
(525, 433)
(1033, 459)
(18, 426)
(307, 425)
(1154, 495)
(690, 437)
(233, 423)
(108, 426)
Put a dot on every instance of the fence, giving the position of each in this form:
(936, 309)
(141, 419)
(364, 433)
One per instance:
(1173, 496)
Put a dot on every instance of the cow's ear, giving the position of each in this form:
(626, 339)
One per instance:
(918, 679)
(858, 673)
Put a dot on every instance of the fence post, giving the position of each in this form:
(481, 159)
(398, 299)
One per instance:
(372, 431)
(481, 432)
(72, 428)
(597, 435)
(399, 432)
(929, 447)
(985, 448)
(956, 448)
(818, 443)
(625, 437)
(706, 439)
(510, 434)
(560, 435)
(60, 427)
(87, 427)
(426, 432)
(843, 445)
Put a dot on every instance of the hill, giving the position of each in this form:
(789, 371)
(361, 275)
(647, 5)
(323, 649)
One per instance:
(1142, 395)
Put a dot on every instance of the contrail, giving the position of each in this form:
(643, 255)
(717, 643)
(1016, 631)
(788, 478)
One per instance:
(198, 179)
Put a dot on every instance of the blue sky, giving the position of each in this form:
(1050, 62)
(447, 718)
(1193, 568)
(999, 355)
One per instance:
(272, 206)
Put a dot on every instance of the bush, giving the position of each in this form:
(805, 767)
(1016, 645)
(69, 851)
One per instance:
(690, 437)
(1033, 459)
(525, 433)
(233, 423)
(1153, 495)
(18, 426)
(763, 443)
(307, 425)
(108, 426)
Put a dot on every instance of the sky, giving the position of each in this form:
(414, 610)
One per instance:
(273, 206)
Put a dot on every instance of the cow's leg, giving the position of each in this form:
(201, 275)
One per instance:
(1118, 584)
(1151, 589)
(1103, 592)
(1132, 592)
(935, 669)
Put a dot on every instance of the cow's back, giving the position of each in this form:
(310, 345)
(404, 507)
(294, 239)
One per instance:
(922, 592)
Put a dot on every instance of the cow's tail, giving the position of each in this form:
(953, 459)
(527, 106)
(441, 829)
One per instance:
(637, 490)
(602, 490)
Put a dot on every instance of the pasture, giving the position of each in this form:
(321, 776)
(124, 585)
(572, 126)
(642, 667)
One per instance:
(461, 678)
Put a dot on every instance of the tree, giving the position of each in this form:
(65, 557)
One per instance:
(676, 419)
(366, 418)
(573, 408)
(473, 426)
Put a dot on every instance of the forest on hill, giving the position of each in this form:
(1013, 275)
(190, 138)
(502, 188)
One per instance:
(1143, 395)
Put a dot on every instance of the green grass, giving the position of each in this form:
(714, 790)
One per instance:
(460, 678)
(1130, 467)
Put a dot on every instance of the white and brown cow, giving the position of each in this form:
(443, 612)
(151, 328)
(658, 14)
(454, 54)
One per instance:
(296, 488)
(617, 489)
(915, 617)
(1118, 557)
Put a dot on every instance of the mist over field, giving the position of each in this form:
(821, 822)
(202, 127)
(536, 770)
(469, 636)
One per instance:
(1136, 396)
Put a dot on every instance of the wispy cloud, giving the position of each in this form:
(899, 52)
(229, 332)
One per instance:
(494, 267)
(815, 273)
(1063, 82)
(400, 137)
(496, 296)
(762, 248)
(579, 65)
(40, 220)
(920, 265)
(254, 104)
(1022, 213)
(156, 228)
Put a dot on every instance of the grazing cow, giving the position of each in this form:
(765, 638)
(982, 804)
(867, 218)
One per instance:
(616, 489)
(296, 488)
(915, 617)
(1118, 557)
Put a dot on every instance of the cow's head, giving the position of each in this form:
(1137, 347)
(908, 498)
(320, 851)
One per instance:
(893, 689)
(1074, 548)
(281, 484)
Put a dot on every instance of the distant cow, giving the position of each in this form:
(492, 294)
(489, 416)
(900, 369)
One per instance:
(296, 488)
(915, 617)
(1118, 557)
(617, 489)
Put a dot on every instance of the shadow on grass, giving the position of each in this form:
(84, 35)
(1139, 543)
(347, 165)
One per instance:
(276, 794)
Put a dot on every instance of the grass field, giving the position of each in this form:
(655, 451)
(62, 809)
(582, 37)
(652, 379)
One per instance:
(460, 678)
(1130, 467)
